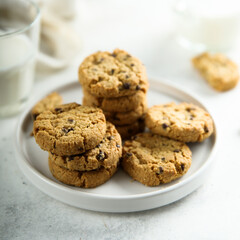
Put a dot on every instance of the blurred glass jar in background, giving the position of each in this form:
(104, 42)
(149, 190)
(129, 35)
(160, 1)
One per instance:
(19, 35)
(211, 25)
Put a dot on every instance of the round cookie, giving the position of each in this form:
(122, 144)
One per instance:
(153, 160)
(127, 131)
(125, 118)
(120, 104)
(69, 129)
(220, 72)
(49, 102)
(185, 122)
(116, 74)
(88, 179)
(105, 154)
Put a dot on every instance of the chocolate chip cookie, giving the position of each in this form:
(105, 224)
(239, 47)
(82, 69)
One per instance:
(124, 118)
(185, 122)
(153, 160)
(220, 72)
(87, 179)
(69, 129)
(127, 131)
(117, 74)
(49, 102)
(120, 104)
(105, 154)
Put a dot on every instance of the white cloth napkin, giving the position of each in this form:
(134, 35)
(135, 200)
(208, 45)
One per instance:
(59, 42)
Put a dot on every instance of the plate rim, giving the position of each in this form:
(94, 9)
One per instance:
(152, 81)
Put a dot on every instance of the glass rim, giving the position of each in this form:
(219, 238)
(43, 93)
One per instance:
(28, 26)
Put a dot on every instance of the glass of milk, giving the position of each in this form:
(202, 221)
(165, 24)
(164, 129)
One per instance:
(207, 25)
(19, 35)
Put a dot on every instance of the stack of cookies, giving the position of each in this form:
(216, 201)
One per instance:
(84, 149)
(117, 83)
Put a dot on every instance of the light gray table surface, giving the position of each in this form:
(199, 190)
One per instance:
(210, 212)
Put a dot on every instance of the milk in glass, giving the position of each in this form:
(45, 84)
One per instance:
(16, 72)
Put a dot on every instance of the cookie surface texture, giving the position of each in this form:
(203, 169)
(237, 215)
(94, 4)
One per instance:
(49, 102)
(69, 129)
(120, 104)
(154, 160)
(125, 118)
(127, 131)
(105, 154)
(87, 179)
(220, 72)
(183, 122)
(105, 74)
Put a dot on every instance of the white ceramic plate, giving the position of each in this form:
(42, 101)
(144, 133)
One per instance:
(120, 193)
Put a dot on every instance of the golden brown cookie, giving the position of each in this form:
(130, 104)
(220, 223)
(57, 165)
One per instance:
(220, 72)
(127, 131)
(49, 102)
(116, 74)
(126, 118)
(185, 122)
(87, 179)
(120, 104)
(105, 154)
(69, 129)
(153, 160)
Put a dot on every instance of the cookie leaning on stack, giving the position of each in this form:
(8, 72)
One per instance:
(117, 83)
(153, 160)
(183, 122)
(83, 149)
